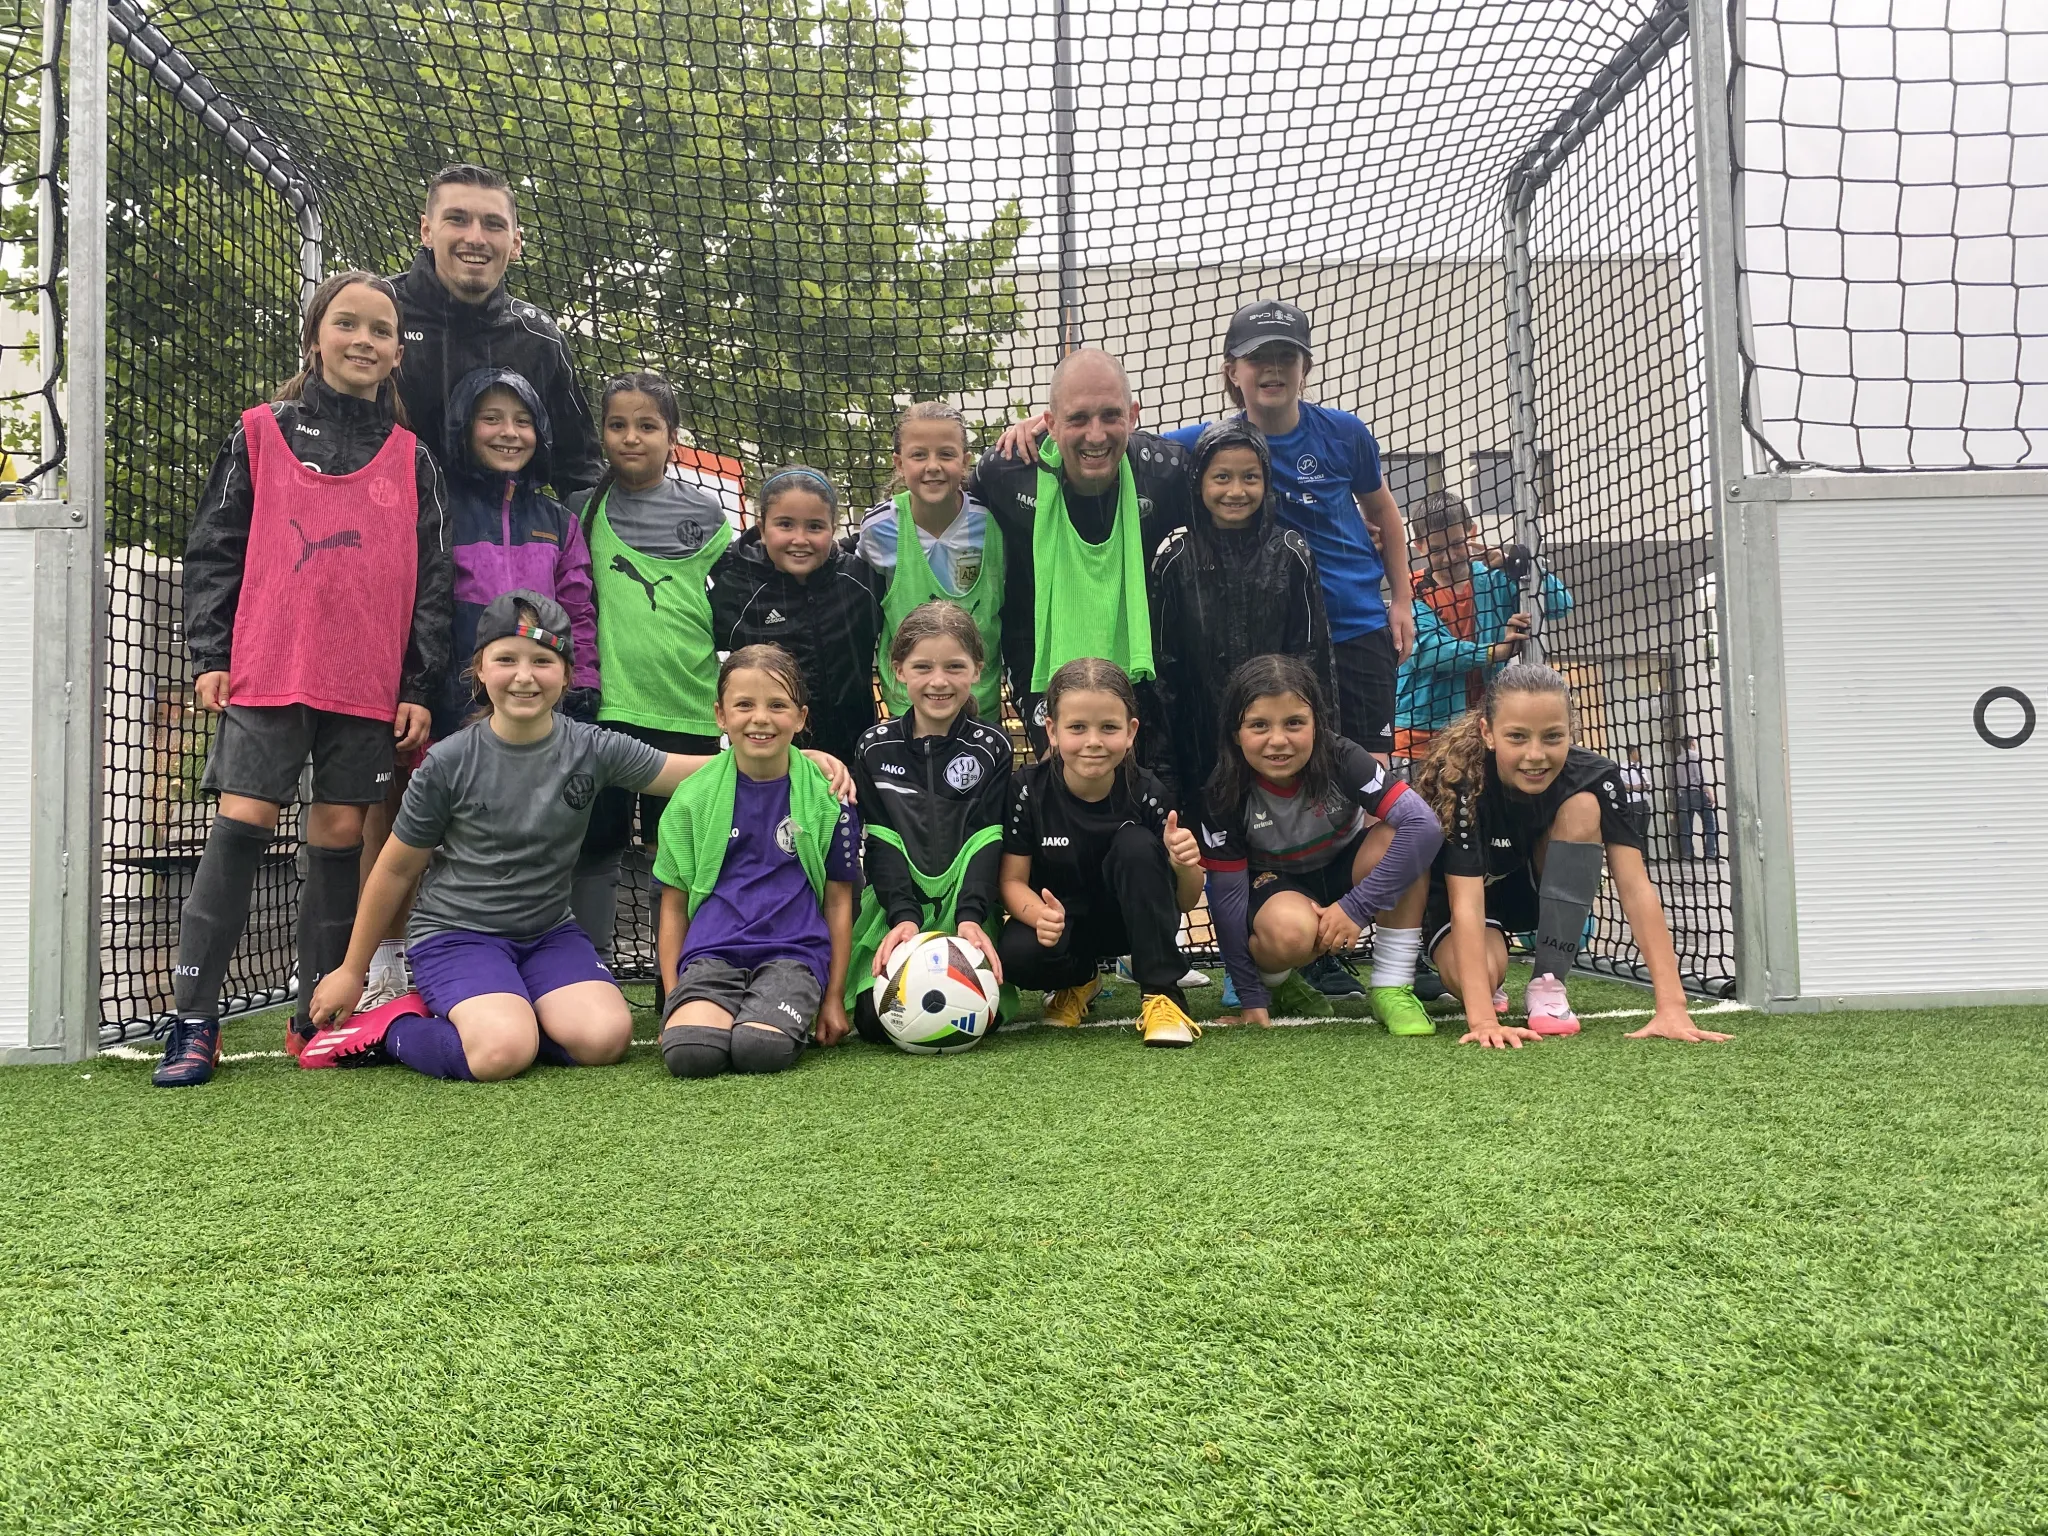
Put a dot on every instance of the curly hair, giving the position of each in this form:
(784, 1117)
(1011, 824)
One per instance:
(1456, 764)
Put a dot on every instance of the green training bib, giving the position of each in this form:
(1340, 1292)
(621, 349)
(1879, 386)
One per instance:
(915, 582)
(1101, 607)
(654, 632)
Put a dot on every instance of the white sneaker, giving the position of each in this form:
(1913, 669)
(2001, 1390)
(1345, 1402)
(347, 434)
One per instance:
(385, 986)
(1192, 979)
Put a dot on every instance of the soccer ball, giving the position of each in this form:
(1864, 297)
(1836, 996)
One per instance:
(937, 995)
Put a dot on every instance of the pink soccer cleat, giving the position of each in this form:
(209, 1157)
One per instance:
(359, 1040)
(1549, 1011)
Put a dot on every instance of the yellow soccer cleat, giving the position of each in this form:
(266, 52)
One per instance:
(1063, 1009)
(1164, 1022)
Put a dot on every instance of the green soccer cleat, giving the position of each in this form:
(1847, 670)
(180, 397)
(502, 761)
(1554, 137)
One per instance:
(1401, 1011)
(1294, 998)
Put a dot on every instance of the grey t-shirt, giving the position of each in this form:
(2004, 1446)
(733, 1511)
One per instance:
(671, 521)
(506, 822)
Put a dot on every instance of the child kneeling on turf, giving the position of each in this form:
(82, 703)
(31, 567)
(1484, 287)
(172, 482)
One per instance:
(490, 828)
(1094, 864)
(1526, 813)
(934, 788)
(1307, 838)
(757, 864)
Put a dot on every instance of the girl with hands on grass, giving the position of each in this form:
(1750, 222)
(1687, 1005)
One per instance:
(1094, 864)
(1307, 839)
(490, 828)
(934, 787)
(1525, 815)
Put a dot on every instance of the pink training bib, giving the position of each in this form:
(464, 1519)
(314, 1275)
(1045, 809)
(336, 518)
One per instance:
(327, 584)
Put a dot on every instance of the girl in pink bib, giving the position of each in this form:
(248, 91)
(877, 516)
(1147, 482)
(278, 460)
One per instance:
(317, 602)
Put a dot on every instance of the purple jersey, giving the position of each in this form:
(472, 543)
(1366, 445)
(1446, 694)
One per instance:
(761, 908)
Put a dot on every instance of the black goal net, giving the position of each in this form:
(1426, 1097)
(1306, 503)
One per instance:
(808, 216)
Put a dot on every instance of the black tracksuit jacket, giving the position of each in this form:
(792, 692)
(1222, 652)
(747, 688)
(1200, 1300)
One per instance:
(829, 623)
(445, 340)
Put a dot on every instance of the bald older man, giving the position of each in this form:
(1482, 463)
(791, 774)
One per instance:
(1079, 531)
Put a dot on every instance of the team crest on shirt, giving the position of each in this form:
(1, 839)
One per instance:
(382, 491)
(1038, 715)
(785, 834)
(963, 773)
(1306, 466)
(578, 790)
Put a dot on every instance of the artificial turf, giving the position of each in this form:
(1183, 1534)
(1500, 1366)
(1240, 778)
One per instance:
(1292, 1280)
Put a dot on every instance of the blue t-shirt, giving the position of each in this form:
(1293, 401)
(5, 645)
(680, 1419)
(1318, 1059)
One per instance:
(762, 908)
(1328, 460)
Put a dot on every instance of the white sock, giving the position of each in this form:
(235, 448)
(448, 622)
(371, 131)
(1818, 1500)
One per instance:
(1394, 953)
(389, 960)
(1273, 979)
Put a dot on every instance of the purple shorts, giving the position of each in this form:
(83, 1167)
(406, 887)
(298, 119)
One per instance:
(451, 968)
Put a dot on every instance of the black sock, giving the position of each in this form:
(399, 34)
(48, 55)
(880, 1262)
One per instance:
(327, 916)
(1571, 879)
(594, 903)
(1140, 875)
(215, 913)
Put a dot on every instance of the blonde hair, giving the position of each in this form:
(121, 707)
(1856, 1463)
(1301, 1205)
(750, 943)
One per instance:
(931, 410)
(1456, 765)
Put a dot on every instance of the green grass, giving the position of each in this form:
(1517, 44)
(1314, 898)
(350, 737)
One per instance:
(1292, 1280)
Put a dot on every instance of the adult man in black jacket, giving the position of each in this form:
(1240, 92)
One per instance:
(457, 316)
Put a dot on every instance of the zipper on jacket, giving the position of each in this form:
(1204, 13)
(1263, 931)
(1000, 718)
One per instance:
(505, 510)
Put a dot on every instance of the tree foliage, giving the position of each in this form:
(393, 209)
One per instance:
(731, 192)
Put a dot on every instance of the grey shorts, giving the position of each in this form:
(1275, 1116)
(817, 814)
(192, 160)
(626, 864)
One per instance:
(259, 751)
(782, 993)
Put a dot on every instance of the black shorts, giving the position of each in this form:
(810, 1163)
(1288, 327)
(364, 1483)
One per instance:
(261, 750)
(614, 813)
(1366, 668)
(1512, 905)
(1325, 887)
(783, 993)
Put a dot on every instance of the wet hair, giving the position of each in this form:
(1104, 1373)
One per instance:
(1438, 512)
(931, 410)
(1265, 677)
(1205, 540)
(641, 382)
(930, 620)
(528, 614)
(1091, 674)
(330, 289)
(773, 660)
(1456, 764)
(796, 477)
(463, 174)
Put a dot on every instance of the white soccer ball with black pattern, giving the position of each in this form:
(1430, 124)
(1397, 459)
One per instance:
(936, 995)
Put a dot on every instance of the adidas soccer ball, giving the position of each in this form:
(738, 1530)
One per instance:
(937, 995)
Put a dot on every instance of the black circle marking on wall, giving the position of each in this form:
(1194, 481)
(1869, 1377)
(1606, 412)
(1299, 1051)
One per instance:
(2019, 737)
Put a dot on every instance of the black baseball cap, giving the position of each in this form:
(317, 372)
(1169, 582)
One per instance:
(1267, 320)
(549, 625)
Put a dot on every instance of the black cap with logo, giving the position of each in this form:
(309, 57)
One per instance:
(1268, 320)
(549, 625)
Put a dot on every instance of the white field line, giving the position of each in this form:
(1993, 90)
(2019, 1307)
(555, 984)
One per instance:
(130, 1053)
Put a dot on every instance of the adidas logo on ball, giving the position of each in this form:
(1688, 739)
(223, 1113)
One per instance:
(936, 995)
